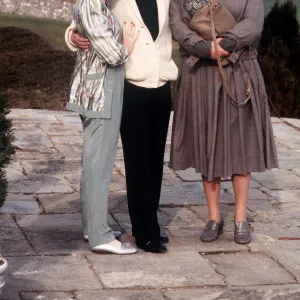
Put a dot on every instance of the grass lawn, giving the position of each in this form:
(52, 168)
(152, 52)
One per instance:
(52, 30)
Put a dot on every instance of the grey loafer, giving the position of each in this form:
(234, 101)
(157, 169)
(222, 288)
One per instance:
(242, 233)
(212, 231)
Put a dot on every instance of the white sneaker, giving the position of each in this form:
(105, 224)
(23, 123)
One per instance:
(115, 247)
(116, 234)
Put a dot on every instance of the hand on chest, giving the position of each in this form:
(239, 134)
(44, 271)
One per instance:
(147, 15)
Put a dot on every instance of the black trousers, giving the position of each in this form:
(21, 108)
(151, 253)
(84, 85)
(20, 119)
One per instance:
(144, 128)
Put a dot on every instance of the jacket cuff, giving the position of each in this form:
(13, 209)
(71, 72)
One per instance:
(68, 41)
(201, 49)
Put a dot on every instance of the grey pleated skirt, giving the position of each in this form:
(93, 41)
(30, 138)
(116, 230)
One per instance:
(213, 134)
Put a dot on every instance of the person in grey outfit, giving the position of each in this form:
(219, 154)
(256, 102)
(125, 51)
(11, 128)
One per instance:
(218, 135)
(96, 93)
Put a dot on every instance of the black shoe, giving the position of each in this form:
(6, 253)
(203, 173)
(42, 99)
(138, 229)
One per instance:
(164, 239)
(153, 247)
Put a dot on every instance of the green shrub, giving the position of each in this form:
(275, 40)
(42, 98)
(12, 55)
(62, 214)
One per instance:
(279, 57)
(6, 147)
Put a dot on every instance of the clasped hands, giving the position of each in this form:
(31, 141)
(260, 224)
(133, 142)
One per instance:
(222, 52)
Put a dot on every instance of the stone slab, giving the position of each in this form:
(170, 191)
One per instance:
(166, 157)
(227, 185)
(32, 115)
(288, 196)
(15, 175)
(117, 202)
(13, 242)
(54, 234)
(275, 231)
(20, 197)
(254, 194)
(120, 154)
(32, 140)
(189, 175)
(20, 207)
(169, 177)
(74, 180)
(179, 217)
(120, 295)
(52, 167)
(120, 167)
(227, 212)
(123, 220)
(44, 154)
(288, 207)
(186, 193)
(250, 269)
(118, 183)
(47, 296)
(261, 208)
(65, 119)
(25, 126)
(40, 184)
(288, 158)
(60, 273)
(60, 203)
(275, 120)
(9, 295)
(60, 129)
(296, 171)
(278, 180)
(69, 152)
(294, 122)
(287, 135)
(289, 164)
(289, 259)
(155, 271)
(67, 140)
(288, 292)
(289, 220)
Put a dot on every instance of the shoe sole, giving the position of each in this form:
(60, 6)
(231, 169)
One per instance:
(161, 252)
(243, 243)
(221, 231)
(111, 252)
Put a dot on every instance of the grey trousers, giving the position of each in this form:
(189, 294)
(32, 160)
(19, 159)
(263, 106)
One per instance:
(100, 139)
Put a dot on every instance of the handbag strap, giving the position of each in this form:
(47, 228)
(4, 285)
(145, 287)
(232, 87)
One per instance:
(222, 71)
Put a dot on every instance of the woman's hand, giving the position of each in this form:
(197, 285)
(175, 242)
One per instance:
(79, 41)
(130, 36)
(222, 52)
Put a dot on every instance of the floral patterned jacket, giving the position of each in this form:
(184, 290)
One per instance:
(88, 94)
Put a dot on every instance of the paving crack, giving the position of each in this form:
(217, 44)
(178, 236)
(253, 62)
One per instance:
(14, 217)
(91, 266)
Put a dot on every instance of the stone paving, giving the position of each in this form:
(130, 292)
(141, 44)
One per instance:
(42, 240)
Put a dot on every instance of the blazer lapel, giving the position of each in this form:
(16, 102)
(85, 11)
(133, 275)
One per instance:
(161, 7)
(135, 9)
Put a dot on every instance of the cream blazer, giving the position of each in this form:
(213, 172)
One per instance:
(150, 65)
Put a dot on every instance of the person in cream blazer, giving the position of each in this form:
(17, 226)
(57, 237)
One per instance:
(146, 111)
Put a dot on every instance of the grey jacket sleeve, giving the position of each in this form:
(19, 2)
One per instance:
(187, 38)
(247, 32)
(96, 25)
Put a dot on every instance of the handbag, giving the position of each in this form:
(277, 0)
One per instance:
(215, 19)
